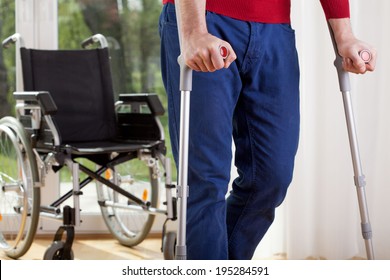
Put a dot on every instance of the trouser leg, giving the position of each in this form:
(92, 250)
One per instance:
(266, 128)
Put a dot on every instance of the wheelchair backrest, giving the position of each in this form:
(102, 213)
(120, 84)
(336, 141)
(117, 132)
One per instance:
(79, 82)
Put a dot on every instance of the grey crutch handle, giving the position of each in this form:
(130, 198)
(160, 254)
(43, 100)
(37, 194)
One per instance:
(343, 75)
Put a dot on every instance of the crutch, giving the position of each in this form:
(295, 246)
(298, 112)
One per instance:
(182, 185)
(359, 178)
(182, 182)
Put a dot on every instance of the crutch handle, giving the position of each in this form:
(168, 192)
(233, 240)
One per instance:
(338, 63)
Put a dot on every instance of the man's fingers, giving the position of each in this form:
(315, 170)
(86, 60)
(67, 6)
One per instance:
(211, 58)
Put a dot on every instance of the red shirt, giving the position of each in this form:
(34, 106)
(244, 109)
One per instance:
(269, 11)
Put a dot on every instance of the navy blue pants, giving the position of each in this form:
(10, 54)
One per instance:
(256, 103)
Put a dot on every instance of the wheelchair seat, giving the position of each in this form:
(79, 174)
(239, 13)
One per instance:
(107, 147)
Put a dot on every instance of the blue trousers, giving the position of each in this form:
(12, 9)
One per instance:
(255, 102)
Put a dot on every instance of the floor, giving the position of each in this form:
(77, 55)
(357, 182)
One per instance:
(98, 248)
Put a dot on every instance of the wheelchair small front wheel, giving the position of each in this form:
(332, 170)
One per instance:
(19, 199)
(56, 251)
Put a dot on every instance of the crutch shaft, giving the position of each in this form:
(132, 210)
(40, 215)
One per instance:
(182, 188)
(359, 176)
(183, 175)
(357, 166)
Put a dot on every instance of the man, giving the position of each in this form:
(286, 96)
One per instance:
(254, 97)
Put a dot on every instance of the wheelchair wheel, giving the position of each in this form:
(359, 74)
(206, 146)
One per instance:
(129, 227)
(169, 245)
(56, 252)
(19, 199)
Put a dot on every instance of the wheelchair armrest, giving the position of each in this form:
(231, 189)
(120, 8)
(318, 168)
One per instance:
(137, 117)
(150, 99)
(43, 98)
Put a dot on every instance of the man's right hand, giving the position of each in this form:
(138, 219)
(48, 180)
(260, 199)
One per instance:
(201, 52)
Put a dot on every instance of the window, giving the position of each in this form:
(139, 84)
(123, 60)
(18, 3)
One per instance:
(131, 28)
(7, 58)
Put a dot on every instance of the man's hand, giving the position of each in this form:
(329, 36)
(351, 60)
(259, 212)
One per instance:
(201, 52)
(349, 48)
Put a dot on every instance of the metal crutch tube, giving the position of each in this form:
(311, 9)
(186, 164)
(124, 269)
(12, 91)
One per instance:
(182, 184)
(359, 177)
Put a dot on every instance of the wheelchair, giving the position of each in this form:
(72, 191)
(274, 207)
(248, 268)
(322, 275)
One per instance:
(66, 116)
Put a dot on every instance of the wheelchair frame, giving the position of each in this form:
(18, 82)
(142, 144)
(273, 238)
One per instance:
(36, 156)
